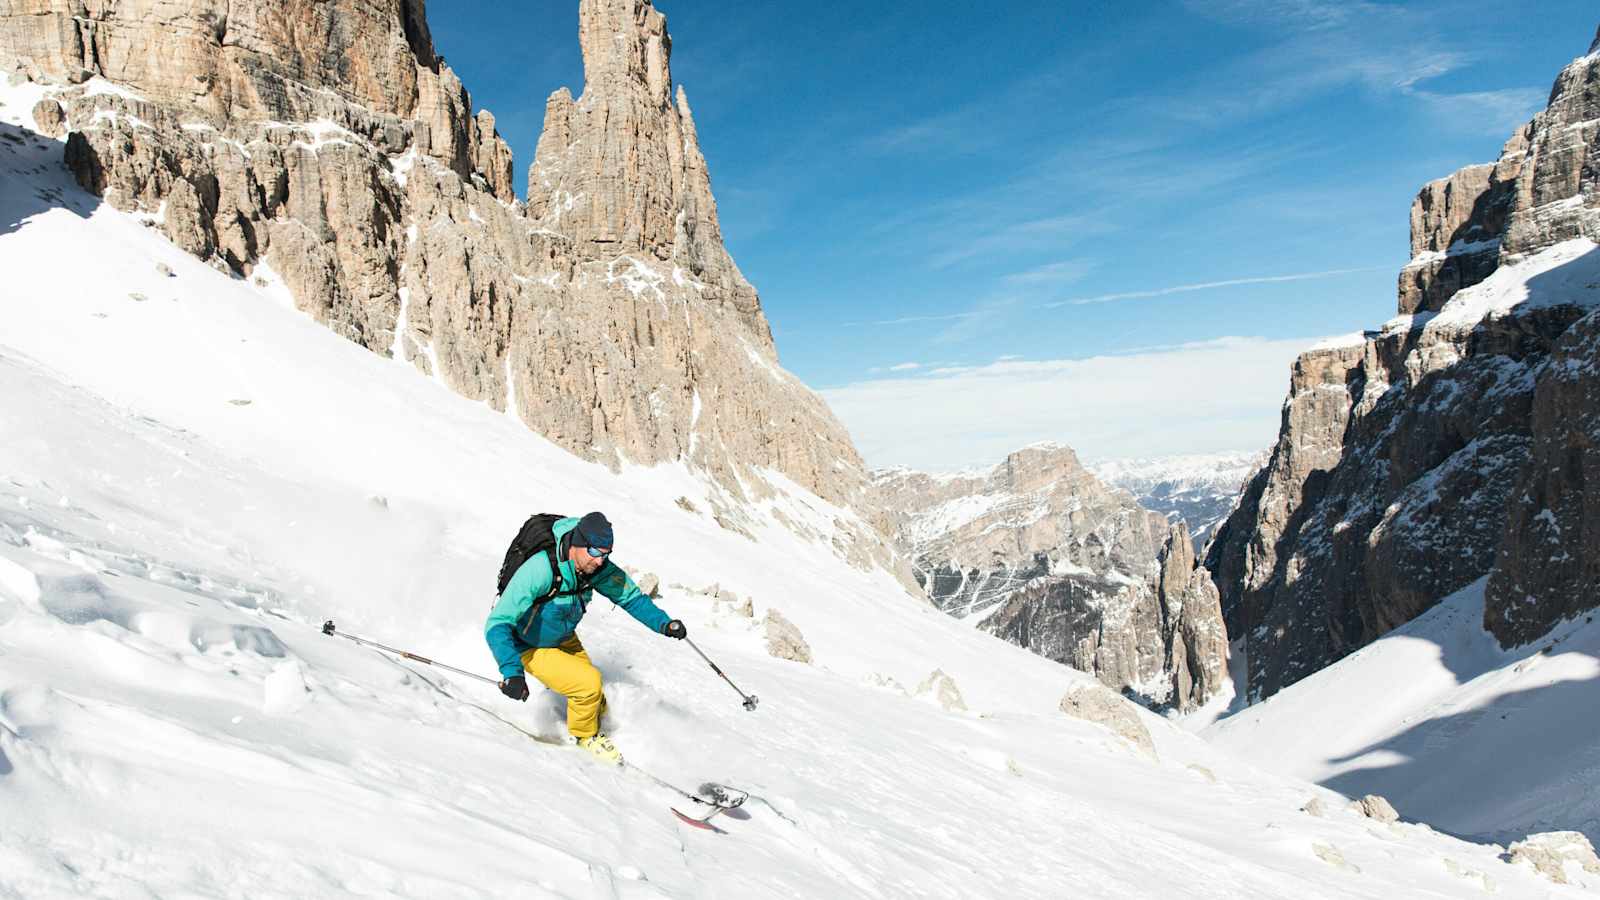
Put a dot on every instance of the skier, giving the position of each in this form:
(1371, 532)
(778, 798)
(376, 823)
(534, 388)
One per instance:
(533, 625)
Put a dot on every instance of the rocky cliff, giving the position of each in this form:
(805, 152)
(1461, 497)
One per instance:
(1041, 553)
(1453, 444)
(328, 145)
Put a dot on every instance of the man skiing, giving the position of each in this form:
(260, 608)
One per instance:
(533, 626)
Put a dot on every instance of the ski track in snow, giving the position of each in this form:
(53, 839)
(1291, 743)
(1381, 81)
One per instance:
(190, 482)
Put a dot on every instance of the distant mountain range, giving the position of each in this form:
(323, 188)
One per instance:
(1200, 489)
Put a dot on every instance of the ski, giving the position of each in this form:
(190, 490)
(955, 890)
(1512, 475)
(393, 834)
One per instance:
(703, 823)
(719, 797)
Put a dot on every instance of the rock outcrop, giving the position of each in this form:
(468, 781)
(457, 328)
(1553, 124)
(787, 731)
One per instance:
(326, 143)
(1097, 704)
(1376, 808)
(1553, 853)
(940, 688)
(1043, 554)
(784, 639)
(1452, 444)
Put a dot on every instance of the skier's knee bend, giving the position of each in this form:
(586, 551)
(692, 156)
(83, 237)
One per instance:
(588, 686)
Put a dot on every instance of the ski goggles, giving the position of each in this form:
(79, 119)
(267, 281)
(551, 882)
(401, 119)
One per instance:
(599, 552)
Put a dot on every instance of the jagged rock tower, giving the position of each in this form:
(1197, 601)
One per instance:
(1458, 442)
(327, 144)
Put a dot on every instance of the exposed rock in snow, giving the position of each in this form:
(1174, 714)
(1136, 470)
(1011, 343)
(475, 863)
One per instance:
(887, 682)
(1330, 854)
(1374, 807)
(784, 639)
(941, 689)
(1041, 553)
(50, 117)
(729, 603)
(1553, 852)
(1099, 704)
(648, 582)
(1315, 807)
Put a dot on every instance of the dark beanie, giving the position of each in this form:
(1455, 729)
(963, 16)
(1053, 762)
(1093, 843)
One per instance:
(593, 531)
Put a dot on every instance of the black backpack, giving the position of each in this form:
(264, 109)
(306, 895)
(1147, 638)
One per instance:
(536, 536)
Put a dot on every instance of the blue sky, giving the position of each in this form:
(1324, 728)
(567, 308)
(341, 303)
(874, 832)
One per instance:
(926, 191)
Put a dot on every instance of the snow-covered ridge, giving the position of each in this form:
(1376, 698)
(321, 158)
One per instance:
(1192, 469)
(1200, 489)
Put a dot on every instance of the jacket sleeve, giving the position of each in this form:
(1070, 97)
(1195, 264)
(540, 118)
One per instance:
(532, 580)
(614, 583)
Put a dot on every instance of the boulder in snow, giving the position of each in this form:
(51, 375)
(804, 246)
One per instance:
(729, 601)
(784, 640)
(1101, 705)
(1550, 852)
(941, 688)
(1315, 807)
(50, 118)
(1375, 807)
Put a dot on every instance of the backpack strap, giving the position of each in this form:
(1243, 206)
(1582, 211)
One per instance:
(555, 579)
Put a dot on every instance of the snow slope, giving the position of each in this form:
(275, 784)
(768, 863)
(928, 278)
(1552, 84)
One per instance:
(193, 476)
(1455, 731)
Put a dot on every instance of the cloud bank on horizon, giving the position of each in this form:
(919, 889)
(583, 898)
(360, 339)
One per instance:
(1202, 397)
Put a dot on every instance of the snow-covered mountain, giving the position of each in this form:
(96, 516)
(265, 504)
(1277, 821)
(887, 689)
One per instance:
(1042, 553)
(1199, 489)
(194, 475)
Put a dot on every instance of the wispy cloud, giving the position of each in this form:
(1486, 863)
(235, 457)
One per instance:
(1053, 273)
(1495, 113)
(1323, 45)
(1209, 286)
(914, 320)
(905, 367)
(1105, 406)
(960, 323)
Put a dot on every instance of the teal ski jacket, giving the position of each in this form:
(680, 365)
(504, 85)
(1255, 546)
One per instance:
(518, 622)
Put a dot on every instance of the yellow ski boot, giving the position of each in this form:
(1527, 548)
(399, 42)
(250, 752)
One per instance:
(602, 748)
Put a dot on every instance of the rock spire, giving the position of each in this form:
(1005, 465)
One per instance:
(326, 145)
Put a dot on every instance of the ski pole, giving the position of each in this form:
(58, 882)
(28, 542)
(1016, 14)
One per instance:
(750, 700)
(327, 628)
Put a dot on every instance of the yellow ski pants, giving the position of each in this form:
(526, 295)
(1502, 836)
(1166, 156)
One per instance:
(567, 671)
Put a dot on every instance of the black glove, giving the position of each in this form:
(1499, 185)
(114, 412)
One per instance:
(675, 629)
(515, 687)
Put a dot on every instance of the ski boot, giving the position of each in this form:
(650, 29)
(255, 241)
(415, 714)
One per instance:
(602, 749)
